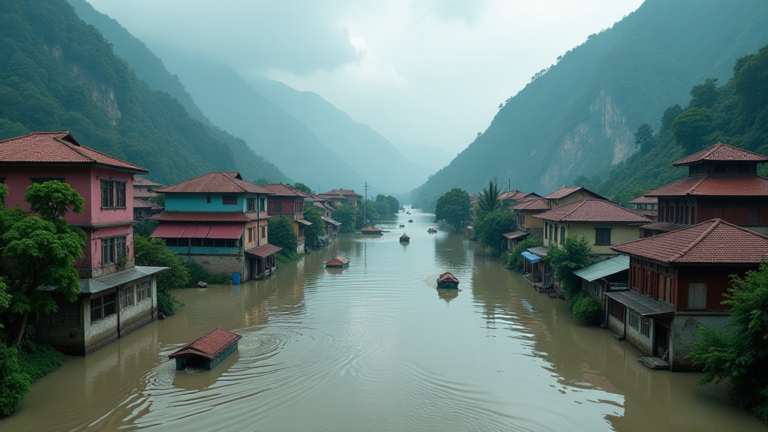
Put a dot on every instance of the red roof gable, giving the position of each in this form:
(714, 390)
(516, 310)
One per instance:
(338, 260)
(209, 346)
(280, 189)
(564, 192)
(342, 192)
(592, 210)
(216, 182)
(712, 242)
(714, 186)
(532, 204)
(57, 148)
(722, 152)
(141, 181)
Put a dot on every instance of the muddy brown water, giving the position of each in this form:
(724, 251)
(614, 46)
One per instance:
(376, 347)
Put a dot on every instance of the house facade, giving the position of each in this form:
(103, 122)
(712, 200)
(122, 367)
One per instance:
(289, 203)
(338, 197)
(722, 182)
(676, 284)
(524, 211)
(116, 296)
(219, 221)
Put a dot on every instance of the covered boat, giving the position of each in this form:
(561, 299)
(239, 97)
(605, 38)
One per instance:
(402, 225)
(404, 238)
(431, 230)
(447, 280)
(338, 261)
(371, 231)
(410, 220)
(207, 351)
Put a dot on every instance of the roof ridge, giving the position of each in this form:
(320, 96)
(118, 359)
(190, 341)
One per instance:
(33, 133)
(580, 203)
(714, 224)
(71, 146)
(232, 179)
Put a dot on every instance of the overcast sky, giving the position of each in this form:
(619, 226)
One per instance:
(431, 72)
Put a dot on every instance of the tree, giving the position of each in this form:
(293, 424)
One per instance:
(704, 95)
(670, 114)
(302, 187)
(281, 234)
(489, 199)
(740, 353)
(41, 251)
(690, 128)
(153, 252)
(454, 208)
(515, 259)
(345, 214)
(643, 137)
(570, 255)
(317, 229)
(490, 228)
(368, 216)
(158, 200)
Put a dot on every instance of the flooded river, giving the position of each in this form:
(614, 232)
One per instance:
(376, 347)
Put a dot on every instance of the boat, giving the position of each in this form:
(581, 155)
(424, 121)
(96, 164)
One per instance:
(404, 238)
(431, 230)
(447, 280)
(371, 231)
(410, 220)
(339, 261)
(206, 351)
(402, 225)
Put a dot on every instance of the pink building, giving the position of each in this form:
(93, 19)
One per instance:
(117, 297)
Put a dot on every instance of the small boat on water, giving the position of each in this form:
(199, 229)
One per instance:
(371, 231)
(447, 280)
(206, 351)
(404, 238)
(339, 261)
(431, 230)
(402, 225)
(410, 220)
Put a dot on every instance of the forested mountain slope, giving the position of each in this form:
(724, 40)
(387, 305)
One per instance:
(579, 118)
(56, 72)
(736, 114)
(150, 69)
(356, 143)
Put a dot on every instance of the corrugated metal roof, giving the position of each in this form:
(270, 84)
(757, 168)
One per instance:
(304, 222)
(532, 257)
(604, 268)
(515, 234)
(641, 304)
(91, 286)
(539, 250)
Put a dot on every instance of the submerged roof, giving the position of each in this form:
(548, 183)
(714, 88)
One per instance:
(712, 242)
(604, 268)
(592, 210)
(714, 186)
(208, 346)
(216, 182)
(59, 147)
(721, 152)
(338, 260)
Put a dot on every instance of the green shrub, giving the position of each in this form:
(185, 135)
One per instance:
(588, 309)
(38, 360)
(14, 384)
(515, 259)
(197, 273)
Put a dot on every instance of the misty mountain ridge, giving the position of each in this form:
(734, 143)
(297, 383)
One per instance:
(579, 118)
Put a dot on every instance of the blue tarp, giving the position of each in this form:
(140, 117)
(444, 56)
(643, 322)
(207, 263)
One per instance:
(533, 258)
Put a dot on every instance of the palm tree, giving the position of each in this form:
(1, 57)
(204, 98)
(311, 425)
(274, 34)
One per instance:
(489, 199)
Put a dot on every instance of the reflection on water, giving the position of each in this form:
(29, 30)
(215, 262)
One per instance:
(371, 347)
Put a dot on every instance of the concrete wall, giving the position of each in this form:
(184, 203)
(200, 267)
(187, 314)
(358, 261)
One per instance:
(216, 264)
(642, 343)
(67, 339)
(615, 325)
(685, 329)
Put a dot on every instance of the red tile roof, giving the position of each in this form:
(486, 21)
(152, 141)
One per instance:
(532, 204)
(722, 152)
(264, 251)
(216, 182)
(57, 148)
(141, 193)
(338, 260)
(592, 210)
(712, 242)
(714, 186)
(645, 200)
(140, 203)
(343, 192)
(209, 346)
(564, 192)
(186, 216)
(371, 229)
(447, 277)
(141, 181)
(280, 189)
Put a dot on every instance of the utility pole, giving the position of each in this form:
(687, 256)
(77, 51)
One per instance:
(365, 203)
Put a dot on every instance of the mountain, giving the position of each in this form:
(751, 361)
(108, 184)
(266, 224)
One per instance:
(579, 117)
(355, 143)
(149, 68)
(737, 113)
(433, 158)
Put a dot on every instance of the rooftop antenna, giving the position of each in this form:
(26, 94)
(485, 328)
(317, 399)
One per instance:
(365, 203)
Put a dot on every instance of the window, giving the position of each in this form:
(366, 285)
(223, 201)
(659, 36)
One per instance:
(251, 203)
(183, 242)
(263, 232)
(645, 327)
(696, 169)
(120, 248)
(555, 233)
(196, 242)
(697, 296)
(720, 167)
(667, 295)
(112, 250)
(208, 242)
(546, 229)
(2, 180)
(263, 204)
(229, 199)
(67, 313)
(562, 233)
(208, 199)
(743, 168)
(602, 236)
(143, 291)
(754, 216)
(278, 207)
(126, 297)
(250, 235)
(112, 194)
(102, 307)
(634, 320)
(171, 242)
